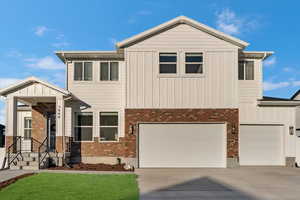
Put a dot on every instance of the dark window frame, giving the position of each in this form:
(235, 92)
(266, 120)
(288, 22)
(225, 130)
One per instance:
(76, 126)
(109, 74)
(243, 72)
(83, 71)
(164, 61)
(117, 126)
(186, 63)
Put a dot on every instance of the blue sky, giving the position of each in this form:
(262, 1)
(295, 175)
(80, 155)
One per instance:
(32, 30)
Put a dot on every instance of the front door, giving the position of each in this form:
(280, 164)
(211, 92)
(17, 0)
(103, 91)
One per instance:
(51, 131)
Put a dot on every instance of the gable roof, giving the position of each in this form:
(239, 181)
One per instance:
(181, 20)
(30, 80)
(295, 95)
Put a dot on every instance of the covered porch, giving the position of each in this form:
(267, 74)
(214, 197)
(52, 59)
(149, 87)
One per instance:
(35, 121)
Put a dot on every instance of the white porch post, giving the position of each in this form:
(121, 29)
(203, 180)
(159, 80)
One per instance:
(11, 116)
(60, 116)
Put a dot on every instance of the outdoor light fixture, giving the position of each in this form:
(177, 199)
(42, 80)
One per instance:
(291, 130)
(131, 129)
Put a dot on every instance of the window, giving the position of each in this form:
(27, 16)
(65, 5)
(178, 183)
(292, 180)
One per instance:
(109, 71)
(246, 70)
(27, 128)
(84, 126)
(109, 126)
(83, 71)
(167, 63)
(193, 63)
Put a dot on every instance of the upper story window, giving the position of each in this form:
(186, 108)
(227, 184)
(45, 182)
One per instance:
(84, 126)
(246, 70)
(83, 71)
(109, 71)
(168, 63)
(193, 63)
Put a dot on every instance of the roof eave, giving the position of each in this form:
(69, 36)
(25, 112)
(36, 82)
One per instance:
(279, 103)
(180, 20)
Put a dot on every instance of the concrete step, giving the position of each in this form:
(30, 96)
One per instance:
(30, 167)
(15, 167)
(30, 154)
(29, 159)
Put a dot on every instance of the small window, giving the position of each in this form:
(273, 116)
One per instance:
(246, 70)
(167, 63)
(193, 63)
(109, 126)
(109, 71)
(27, 128)
(84, 126)
(83, 71)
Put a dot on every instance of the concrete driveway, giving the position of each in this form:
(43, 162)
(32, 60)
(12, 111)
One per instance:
(253, 183)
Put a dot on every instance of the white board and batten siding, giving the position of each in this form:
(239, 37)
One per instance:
(216, 88)
(252, 90)
(35, 90)
(100, 96)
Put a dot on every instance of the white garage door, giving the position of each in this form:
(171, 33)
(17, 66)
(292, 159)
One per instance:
(182, 145)
(261, 145)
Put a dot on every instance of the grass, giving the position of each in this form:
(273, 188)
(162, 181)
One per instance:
(56, 186)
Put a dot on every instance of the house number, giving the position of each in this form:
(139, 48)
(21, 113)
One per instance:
(58, 112)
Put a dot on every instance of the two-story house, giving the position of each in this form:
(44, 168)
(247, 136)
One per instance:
(181, 94)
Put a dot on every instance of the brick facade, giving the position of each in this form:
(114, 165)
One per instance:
(126, 147)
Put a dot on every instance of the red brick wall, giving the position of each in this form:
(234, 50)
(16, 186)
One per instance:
(126, 147)
(38, 127)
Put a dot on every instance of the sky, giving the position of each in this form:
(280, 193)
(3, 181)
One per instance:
(31, 30)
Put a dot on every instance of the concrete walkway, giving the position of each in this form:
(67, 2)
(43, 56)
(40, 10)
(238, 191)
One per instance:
(8, 174)
(252, 183)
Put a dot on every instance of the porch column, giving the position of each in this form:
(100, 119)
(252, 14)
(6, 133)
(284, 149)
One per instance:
(60, 116)
(11, 120)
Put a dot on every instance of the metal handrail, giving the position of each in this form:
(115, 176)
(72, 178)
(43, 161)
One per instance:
(41, 159)
(13, 145)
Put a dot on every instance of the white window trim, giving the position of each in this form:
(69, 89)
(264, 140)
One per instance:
(170, 75)
(118, 126)
(108, 81)
(194, 75)
(26, 128)
(75, 126)
(81, 81)
(244, 66)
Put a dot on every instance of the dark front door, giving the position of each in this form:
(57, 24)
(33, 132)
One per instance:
(51, 131)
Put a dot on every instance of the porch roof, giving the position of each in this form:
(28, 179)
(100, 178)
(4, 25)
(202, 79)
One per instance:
(29, 81)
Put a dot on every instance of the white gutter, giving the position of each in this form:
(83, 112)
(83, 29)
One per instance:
(278, 103)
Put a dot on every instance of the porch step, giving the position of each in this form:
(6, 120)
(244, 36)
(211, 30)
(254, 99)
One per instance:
(14, 167)
(30, 167)
(29, 161)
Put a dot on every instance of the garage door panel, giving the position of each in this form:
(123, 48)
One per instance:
(182, 145)
(261, 145)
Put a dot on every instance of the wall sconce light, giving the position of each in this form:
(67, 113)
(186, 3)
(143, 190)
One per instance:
(131, 129)
(233, 128)
(291, 130)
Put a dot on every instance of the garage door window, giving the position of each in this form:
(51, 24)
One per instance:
(109, 123)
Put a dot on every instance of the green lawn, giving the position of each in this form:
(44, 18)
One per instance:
(55, 186)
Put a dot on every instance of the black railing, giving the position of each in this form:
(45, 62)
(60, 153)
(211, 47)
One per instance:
(14, 150)
(43, 151)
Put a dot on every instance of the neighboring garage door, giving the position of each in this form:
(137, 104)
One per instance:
(182, 145)
(261, 145)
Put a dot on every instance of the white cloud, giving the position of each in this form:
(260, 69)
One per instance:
(296, 83)
(270, 62)
(14, 53)
(144, 12)
(228, 22)
(60, 44)
(47, 62)
(113, 41)
(288, 69)
(273, 86)
(40, 30)
(4, 82)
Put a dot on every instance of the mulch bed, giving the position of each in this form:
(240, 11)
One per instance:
(94, 167)
(13, 180)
